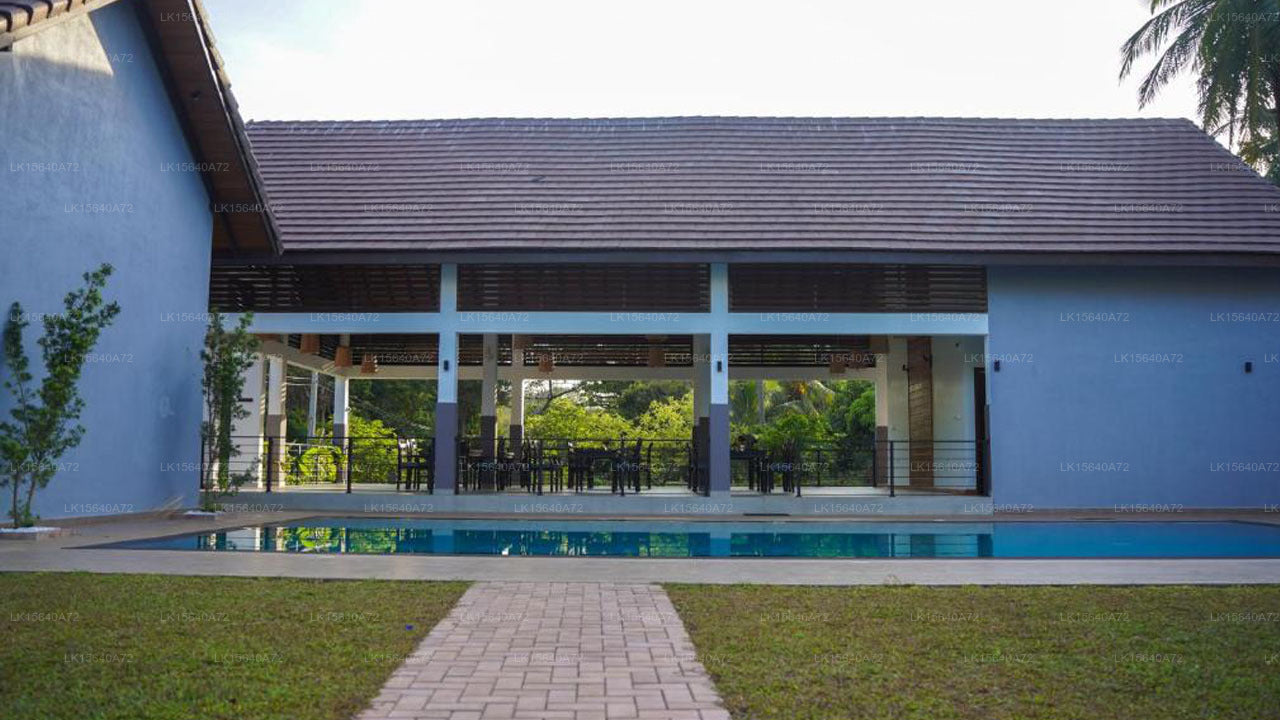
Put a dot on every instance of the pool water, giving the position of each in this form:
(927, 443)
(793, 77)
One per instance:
(773, 539)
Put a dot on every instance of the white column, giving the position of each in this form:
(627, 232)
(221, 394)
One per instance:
(882, 390)
(341, 418)
(517, 403)
(896, 396)
(312, 401)
(275, 422)
(489, 392)
(447, 382)
(341, 398)
(516, 431)
(275, 386)
(246, 432)
(718, 381)
(882, 372)
(701, 376)
(341, 406)
(701, 397)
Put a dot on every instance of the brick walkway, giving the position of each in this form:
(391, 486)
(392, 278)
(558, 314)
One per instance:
(553, 650)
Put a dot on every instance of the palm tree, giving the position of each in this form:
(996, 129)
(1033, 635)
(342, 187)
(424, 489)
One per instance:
(1234, 47)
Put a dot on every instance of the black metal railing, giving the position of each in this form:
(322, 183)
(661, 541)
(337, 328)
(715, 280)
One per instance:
(348, 464)
(621, 465)
(618, 465)
(954, 466)
(944, 466)
(796, 464)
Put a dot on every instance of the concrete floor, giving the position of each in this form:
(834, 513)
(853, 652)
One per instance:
(68, 553)
(665, 502)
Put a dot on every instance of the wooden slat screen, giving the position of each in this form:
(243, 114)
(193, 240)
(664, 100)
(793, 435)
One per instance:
(856, 288)
(325, 288)
(585, 286)
(608, 350)
(799, 350)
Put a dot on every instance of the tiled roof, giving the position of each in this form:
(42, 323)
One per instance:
(706, 183)
(19, 16)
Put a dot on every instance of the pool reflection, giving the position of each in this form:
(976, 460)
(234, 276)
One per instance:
(555, 543)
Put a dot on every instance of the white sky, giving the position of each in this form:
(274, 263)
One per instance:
(374, 59)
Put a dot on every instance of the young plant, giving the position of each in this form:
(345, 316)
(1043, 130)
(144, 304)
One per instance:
(227, 356)
(44, 422)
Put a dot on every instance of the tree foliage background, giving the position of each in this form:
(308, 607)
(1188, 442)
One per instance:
(1232, 47)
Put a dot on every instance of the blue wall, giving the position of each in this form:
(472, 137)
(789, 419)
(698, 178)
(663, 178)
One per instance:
(1079, 420)
(86, 100)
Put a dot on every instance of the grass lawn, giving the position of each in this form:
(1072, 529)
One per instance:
(93, 647)
(989, 652)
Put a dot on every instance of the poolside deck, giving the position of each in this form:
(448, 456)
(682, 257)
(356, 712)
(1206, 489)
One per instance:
(70, 553)
(665, 501)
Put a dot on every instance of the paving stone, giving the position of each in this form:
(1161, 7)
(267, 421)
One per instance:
(555, 651)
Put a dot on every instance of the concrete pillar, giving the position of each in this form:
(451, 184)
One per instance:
(341, 407)
(896, 382)
(701, 375)
(717, 432)
(447, 382)
(517, 402)
(881, 448)
(341, 401)
(275, 419)
(718, 371)
(489, 394)
(246, 432)
(312, 400)
(341, 419)
(701, 396)
(895, 407)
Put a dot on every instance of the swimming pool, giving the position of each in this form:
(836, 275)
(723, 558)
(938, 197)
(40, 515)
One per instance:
(755, 538)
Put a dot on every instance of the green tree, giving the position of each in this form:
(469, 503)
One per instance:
(852, 412)
(793, 430)
(806, 398)
(374, 458)
(670, 418)
(227, 355)
(637, 398)
(373, 451)
(318, 463)
(1233, 47)
(405, 406)
(45, 420)
(565, 419)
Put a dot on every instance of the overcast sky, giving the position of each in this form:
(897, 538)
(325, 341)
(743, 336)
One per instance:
(371, 59)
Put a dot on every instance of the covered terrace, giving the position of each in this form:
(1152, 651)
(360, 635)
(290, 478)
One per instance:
(916, 332)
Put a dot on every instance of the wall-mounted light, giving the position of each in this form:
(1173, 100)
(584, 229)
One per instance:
(995, 366)
(1248, 366)
(446, 366)
(719, 366)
